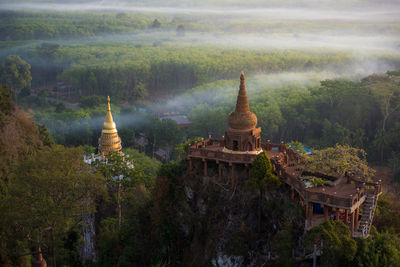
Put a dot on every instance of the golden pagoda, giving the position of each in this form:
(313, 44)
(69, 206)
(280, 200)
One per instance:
(109, 139)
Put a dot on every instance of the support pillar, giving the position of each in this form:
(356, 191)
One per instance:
(337, 214)
(346, 216)
(352, 223)
(356, 219)
(190, 165)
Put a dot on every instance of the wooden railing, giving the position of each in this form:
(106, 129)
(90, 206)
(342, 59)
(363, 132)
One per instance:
(287, 155)
(322, 197)
(373, 188)
(197, 150)
(299, 185)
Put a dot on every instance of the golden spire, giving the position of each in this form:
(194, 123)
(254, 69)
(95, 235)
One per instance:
(109, 140)
(109, 124)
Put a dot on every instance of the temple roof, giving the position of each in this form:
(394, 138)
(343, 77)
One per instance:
(242, 118)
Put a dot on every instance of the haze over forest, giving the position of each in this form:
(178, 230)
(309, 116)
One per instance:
(322, 73)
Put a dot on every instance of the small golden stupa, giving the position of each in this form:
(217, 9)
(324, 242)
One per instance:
(109, 139)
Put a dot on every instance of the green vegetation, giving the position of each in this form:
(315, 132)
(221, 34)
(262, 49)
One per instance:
(341, 159)
(61, 65)
(333, 238)
(16, 73)
(262, 179)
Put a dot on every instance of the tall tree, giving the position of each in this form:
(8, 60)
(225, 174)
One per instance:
(49, 194)
(262, 178)
(386, 89)
(16, 73)
(120, 173)
(333, 238)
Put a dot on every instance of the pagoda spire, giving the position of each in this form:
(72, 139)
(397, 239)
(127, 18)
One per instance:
(109, 140)
(242, 103)
(109, 119)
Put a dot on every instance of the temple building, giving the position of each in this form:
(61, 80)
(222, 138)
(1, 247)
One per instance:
(242, 133)
(109, 140)
(241, 143)
(342, 197)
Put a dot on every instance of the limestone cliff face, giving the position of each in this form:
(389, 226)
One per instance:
(222, 225)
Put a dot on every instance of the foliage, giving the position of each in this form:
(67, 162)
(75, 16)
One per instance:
(297, 146)
(48, 195)
(182, 148)
(261, 174)
(167, 233)
(339, 159)
(387, 214)
(283, 243)
(334, 239)
(317, 182)
(16, 73)
(149, 166)
(44, 135)
(6, 103)
(379, 249)
(167, 133)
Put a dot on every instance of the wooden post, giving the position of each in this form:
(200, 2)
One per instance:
(346, 216)
(311, 211)
(190, 165)
(337, 214)
(352, 223)
(356, 219)
(326, 212)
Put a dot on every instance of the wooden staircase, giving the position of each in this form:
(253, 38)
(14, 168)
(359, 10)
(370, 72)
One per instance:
(368, 212)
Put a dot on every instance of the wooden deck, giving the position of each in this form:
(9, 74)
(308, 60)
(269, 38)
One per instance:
(346, 194)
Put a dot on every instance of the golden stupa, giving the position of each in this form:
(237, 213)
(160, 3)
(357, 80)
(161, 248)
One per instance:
(109, 139)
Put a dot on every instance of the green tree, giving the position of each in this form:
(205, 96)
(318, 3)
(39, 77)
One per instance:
(6, 103)
(182, 148)
(16, 73)
(340, 159)
(283, 243)
(121, 174)
(378, 250)
(167, 134)
(49, 194)
(386, 90)
(261, 179)
(333, 238)
(44, 135)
